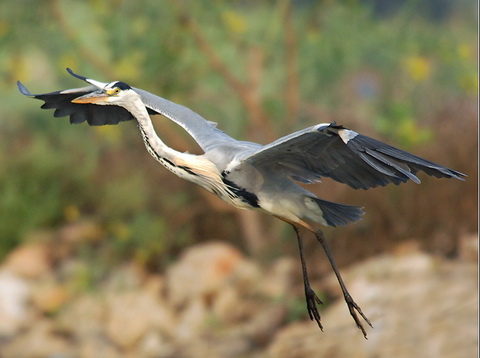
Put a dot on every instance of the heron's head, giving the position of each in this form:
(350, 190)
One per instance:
(114, 93)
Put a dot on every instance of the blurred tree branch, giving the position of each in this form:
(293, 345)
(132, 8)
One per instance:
(71, 34)
(292, 95)
(247, 91)
(259, 124)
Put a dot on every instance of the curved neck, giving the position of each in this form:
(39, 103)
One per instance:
(155, 146)
(195, 168)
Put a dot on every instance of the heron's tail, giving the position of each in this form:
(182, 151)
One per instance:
(339, 214)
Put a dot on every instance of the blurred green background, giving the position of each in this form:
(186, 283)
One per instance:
(402, 71)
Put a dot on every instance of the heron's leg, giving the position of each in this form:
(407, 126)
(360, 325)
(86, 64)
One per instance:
(352, 306)
(310, 296)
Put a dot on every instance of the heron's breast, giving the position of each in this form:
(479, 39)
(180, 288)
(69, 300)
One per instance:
(238, 196)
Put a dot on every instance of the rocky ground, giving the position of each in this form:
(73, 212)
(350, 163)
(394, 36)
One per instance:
(215, 302)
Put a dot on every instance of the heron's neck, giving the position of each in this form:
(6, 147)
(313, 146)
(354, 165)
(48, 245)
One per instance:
(154, 144)
(195, 168)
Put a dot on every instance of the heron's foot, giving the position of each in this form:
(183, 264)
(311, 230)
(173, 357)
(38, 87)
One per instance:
(312, 302)
(354, 308)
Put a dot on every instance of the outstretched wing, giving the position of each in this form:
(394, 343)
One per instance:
(330, 150)
(204, 132)
(93, 114)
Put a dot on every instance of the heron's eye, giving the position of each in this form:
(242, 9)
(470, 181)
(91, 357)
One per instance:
(116, 91)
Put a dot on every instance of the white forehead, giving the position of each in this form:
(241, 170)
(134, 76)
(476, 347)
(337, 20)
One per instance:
(111, 85)
(98, 84)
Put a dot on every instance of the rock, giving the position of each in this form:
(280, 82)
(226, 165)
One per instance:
(14, 296)
(226, 305)
(30, 260)
(73, 235)
(468, 248)
(154, 345)
(40, 340)
(236, 301)
(247, 277)
(278, 282)
(263, 322)
(81, 231)
(49, 296)
(211, 282)
(191, 321)
(96, 346)
(126, 278)
(154, 284)
(201, 271)
(217, 292)
(228, 345)
(420, 307)
(132, 314)
(84, 317)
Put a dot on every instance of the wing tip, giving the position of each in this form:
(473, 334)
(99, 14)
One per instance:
(414, 178)
(23, 90)
(457, 175)
(70, 71)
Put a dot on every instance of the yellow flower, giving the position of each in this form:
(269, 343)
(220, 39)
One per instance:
(67, 60)
(71, 213)
(313, 35)
(411, 134)
(464, 51)
(469, 84)
(121, 231)
(234, 22)
(419, 68)
(4, 28)
(129, 65)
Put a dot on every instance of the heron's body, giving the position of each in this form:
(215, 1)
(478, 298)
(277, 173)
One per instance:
(223, 170)
(253, 176)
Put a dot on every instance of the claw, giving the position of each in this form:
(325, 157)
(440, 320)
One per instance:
(312, 302)
(354, 308)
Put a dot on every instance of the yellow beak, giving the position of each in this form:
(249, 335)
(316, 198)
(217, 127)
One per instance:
(93, 97)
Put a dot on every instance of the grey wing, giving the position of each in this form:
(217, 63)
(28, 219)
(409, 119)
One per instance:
(94, 115)
(328, 150)
(204, 132)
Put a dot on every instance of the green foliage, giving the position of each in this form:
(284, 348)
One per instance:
(388, 73)
(397, 121)
(38, 179)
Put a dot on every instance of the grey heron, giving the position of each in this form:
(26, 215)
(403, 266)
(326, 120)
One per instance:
(252, 176)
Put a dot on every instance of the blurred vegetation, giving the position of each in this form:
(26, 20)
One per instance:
(405, 73)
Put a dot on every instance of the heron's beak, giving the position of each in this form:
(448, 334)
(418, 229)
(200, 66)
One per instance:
(93, 97)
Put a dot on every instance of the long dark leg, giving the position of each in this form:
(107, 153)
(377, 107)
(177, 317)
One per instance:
(352, 306)
(311, 297)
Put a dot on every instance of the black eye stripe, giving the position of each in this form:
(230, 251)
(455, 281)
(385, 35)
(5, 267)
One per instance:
(122, 86)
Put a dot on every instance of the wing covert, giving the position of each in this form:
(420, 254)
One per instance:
(330, 150)
(204, 132)
(94, 115)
